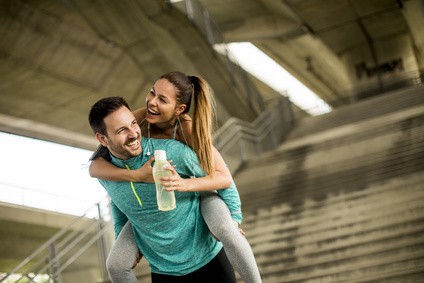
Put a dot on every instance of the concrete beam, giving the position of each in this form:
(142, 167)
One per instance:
(33, 129)
(261, 27)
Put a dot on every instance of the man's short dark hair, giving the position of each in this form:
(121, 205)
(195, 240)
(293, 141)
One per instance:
(101, 109)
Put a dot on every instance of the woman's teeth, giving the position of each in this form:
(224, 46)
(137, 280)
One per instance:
(153, 112)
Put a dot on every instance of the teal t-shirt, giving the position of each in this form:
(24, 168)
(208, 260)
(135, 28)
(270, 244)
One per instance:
(175, 242)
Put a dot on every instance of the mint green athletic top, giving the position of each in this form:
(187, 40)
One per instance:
(175, 242)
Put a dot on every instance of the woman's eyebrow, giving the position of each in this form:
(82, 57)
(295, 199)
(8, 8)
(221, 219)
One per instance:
(160, 95)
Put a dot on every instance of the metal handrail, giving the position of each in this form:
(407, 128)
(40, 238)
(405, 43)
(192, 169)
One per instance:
(197, 13)
(74, 239)
(273, 124)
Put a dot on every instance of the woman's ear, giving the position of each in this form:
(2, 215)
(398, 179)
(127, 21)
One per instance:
(180, 109)
(102, 139)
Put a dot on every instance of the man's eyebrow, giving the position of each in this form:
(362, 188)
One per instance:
(120, 128)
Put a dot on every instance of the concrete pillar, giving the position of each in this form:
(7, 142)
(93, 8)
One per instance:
(373, 68)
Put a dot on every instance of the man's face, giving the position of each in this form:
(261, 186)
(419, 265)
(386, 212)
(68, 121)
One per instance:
(123, 134)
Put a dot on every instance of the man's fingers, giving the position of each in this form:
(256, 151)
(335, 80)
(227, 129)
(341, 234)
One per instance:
(151, 160)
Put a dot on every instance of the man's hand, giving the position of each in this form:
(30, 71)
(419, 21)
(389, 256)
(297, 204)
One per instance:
(145, 172)
(137, 260)
(238, 227)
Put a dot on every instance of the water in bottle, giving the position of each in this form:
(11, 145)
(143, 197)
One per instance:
(165, 199)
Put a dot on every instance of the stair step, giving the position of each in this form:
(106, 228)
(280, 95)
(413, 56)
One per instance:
(360, 111)
(344, 203)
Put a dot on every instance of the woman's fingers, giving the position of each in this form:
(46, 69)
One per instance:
(175, 185)
(174, 182)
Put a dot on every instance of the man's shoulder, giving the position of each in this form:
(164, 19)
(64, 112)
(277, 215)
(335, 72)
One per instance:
(168, 143)
(175, 150)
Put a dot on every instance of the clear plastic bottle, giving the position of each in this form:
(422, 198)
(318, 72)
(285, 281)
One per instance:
(165, 199)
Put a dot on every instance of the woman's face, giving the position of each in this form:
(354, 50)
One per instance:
(161, 103)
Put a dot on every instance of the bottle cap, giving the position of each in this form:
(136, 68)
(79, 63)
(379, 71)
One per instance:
(160, 155)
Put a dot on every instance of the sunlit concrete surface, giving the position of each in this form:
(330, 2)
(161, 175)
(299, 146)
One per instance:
(339, 199)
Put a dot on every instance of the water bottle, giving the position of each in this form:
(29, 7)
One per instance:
(165, 199)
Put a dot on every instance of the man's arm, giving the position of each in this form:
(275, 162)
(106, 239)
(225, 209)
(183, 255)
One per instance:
(119, 218)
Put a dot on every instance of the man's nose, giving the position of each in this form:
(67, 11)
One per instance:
(133, 133)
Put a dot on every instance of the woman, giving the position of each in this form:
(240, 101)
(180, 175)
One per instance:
(165, 116)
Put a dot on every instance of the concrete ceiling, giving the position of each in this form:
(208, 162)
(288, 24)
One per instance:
(326, 43)
(57, 57)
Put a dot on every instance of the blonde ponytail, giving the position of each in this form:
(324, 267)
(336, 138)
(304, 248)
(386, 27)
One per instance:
(203, 122)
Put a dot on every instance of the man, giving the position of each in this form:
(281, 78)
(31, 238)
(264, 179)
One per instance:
(176, 243)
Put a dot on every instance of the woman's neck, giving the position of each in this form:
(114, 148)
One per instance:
(163, 130)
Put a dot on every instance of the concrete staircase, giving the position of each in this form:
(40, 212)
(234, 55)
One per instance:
(342, 200)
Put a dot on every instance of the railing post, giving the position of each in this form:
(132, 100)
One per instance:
(53, 264)
(194, 10)
(242, 147)
(208, 27)
(189, 9)
(101, 244)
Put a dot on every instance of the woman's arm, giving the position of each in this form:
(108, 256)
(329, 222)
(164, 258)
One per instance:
(102, 169)
(222, 178)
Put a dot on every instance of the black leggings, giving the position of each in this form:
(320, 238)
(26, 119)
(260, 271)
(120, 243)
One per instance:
(218, 269)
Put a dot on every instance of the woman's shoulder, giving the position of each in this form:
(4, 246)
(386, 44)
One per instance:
(140, 114)
(187, 125)
(184, 130)
(185, 118)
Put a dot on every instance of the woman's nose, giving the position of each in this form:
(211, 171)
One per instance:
(152, 101)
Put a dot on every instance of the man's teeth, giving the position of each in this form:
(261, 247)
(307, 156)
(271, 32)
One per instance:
(133, 143)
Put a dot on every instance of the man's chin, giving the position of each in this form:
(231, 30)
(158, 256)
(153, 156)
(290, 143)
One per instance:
(130, 153)
(135, 152)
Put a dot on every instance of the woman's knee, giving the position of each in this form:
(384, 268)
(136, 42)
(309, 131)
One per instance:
(217, 217)
(117, 264)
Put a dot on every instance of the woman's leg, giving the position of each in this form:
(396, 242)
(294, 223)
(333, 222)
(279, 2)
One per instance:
(122, 257)
(218, 218)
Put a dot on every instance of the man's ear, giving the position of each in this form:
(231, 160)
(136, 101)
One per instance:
(102, 139)
(180, 109)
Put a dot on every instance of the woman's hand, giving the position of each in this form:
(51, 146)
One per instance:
(175, 182)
